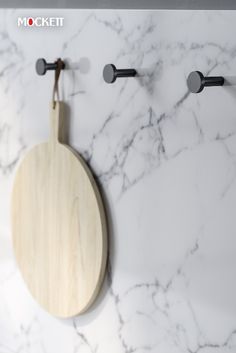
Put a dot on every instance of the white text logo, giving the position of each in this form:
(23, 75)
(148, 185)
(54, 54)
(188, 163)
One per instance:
(40, 21)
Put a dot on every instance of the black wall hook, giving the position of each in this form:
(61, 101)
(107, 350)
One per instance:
(110, 73)
(196, 81)
(42, 66)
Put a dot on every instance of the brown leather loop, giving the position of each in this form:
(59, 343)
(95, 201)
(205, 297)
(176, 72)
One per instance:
(55, 87)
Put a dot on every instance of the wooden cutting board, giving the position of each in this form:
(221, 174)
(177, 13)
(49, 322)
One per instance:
(58, 225)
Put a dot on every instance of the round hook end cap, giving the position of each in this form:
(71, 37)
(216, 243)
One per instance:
(195, 82)
(109, 73)
(41, 66)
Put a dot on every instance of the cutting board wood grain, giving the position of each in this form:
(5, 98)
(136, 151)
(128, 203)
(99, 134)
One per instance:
(58, 225)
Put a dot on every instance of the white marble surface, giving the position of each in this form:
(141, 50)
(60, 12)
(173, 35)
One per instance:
(166, 161)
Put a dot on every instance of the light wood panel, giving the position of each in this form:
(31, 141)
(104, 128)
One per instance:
(58, 225)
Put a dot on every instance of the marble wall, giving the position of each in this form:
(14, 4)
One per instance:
(166, 163)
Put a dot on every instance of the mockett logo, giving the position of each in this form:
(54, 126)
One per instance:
(40, 21)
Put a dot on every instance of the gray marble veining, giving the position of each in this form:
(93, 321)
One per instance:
(166, 163)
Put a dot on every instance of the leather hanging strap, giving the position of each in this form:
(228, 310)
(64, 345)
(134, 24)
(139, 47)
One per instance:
(55, 92)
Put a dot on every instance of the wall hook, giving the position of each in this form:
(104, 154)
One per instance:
(42, 66)
(196, 81)
(111, 73)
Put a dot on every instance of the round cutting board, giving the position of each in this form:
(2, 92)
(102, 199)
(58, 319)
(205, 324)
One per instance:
(58, 225)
